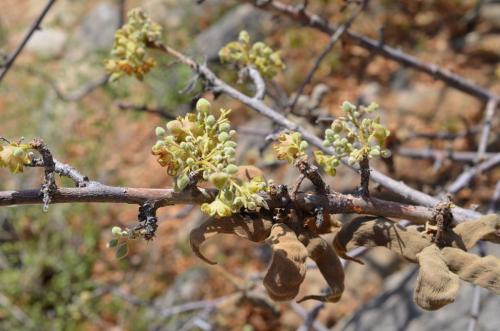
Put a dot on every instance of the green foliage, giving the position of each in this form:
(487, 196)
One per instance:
(48, 271)
(131, 42)
(355, 136)
(14, 156)
(261, 56)
(290, 146)
(202, 145)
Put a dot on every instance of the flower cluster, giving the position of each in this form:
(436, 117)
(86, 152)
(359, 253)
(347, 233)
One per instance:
(355, 136)
(131, 42)
(242, 53)
(201, 144)
(15, 156)
(289, 146)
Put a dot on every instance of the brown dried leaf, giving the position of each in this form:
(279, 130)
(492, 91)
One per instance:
(254, 229)
(370, 232)
(328, 264)
(482, 271)
(483, 228)
(288, 265)
(436, 285)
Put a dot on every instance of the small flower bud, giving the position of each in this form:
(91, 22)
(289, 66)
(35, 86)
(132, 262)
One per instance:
(160, 132)
(210, 120)
(219, 179)
(303, 145)
(231, 169)
(224, 127)
(347, 106)
(385, 153)
(203, 105)
(116, 231)
(223, 136)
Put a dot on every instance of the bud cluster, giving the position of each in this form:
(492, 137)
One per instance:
(131, 42)
(14, 156)
(202, 144)
(354, 136)
(289, 146)
(242, 53)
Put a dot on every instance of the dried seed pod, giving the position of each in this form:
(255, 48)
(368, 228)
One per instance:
(482, 271)
(436, 285)
(370, 232)
(328, 264)
(484, 228)
(288, 265)
(254, 229)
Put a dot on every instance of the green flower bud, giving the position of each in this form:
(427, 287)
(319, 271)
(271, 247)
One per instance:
(385, 153)
(223, 136)
(160, 132)
(116, 231)
(347, 106)
(231, 169)
(327, 143)
(337, 126)
(18, 152)
(251, 205)
(303, 145)
(224, 127)
(189, 161)
(229, 151)
(203, 105)
(210, 120)
(329, 134)
(219, 179)
(375, 152)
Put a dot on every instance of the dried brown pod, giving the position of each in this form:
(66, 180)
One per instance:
(369, 231)
(328, 264)
(436, 285)
(254, 229)
(483, 228)
(288, 265)
(482, 271)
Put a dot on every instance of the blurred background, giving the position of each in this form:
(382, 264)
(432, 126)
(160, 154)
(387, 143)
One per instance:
(55, 270)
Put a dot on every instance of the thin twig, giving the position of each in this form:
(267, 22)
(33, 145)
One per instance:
(491, 107)
(306, 18)
(441, 154)
(258, 81)
(465, 177)
(35, 26)
(333, 39)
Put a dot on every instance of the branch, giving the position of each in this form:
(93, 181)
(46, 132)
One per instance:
(219, 86)
(314, 21)
(491, 107)
(258, 81)
(464, 179)
(440, 154)
(35, 26)
(334, 203)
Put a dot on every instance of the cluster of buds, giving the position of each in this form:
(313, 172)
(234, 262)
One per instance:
(289, 146)
(202, 144)
(355, 136)
(15, 156)
(131, 42)
(259, 55)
